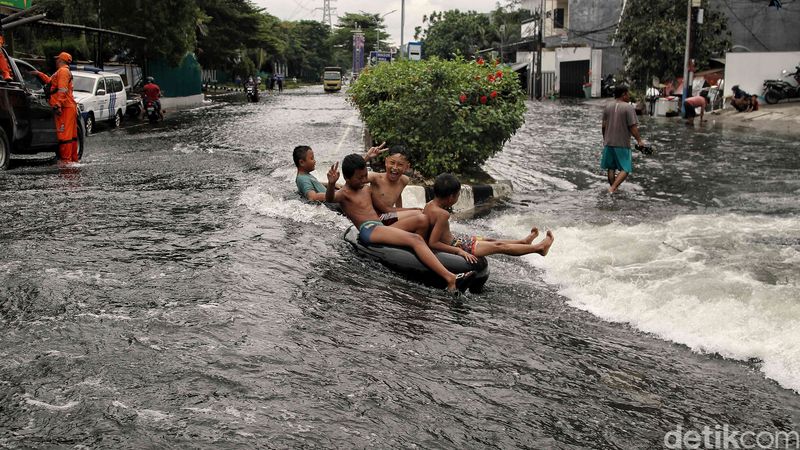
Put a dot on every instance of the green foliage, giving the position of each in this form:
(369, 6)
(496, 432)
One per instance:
(309, 49)
(75, 46)
(452, 115)
(453, 32)
(229, 29)
(653, 36)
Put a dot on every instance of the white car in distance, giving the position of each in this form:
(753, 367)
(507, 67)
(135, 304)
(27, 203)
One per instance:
(100, 96)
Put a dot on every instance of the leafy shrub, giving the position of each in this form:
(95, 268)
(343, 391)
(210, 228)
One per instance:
(451, 115)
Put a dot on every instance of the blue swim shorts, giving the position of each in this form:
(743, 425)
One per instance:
(366, 229)
(616, 158)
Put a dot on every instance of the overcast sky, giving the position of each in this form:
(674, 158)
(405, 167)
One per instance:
(415, 9)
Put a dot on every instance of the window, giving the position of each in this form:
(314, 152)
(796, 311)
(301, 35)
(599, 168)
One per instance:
(558, 18)
(101, 84)
(32, 82)
(114, 84)
(82, 84)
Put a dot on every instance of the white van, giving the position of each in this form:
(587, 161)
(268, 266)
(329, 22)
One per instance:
(100, 95)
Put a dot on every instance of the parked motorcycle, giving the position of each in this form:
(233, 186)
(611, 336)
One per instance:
(777, 90)
(252, 92)
(607, 85)
(152, 110)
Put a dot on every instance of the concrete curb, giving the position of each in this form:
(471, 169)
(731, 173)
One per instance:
(206, 87)
(415, 196)
(471, 195)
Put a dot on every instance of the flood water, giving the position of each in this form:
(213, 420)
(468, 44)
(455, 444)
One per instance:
(172, 291)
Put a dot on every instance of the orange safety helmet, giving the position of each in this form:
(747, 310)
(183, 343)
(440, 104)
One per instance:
(64, 56)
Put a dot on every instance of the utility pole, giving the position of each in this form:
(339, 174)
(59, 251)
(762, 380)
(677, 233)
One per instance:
(686, 81)
(402, 23)
(539, 81)
(99, 57)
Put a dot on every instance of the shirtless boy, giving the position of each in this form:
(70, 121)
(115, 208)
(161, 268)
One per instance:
(355, 200)
(446, 190)
(387, 188)
(307, 184)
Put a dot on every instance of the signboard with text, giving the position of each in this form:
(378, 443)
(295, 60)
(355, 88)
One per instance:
(414, 51)
(19, 4)
(379, 57)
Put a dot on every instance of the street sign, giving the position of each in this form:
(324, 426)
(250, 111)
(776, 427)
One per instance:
(414, 51)
(379, 57)
(19, 4)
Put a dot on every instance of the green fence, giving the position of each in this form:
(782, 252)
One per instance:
(182, 81)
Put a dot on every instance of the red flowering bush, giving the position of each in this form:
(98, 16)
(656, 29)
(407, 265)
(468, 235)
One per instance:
(451, 115)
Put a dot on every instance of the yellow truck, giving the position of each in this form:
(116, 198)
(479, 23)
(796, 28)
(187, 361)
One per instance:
(332, 79)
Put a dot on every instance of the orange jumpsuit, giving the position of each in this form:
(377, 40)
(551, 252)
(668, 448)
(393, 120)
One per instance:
(5, 70)
(62, 101)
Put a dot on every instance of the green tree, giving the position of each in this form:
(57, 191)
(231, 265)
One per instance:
(653, 34)
(230, 28)
(310, 49)
(452, 33)
(452, 115)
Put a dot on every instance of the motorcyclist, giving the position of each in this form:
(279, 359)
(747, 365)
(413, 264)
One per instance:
(152, 93)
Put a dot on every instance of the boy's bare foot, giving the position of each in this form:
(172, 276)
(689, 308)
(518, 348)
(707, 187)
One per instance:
(611, 190)
(461, 282)
(534, 233)
(547, 242)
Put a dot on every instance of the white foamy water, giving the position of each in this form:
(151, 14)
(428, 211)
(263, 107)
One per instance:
(289, 206)
(723, 284)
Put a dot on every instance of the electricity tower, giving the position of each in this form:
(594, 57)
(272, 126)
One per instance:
(326, 12)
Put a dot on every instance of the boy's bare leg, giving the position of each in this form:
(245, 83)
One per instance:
(528, 240)
(399, 237)
(416, 223)
(408, 213)
(485, 248)
(612, 175)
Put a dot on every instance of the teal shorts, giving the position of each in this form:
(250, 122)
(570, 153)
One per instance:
(616, 158)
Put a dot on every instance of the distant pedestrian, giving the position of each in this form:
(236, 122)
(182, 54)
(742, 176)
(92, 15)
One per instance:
(691, 103)
(619, 124)
(272, 82)
(280, 83)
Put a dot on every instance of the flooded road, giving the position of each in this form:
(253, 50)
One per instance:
(172, 291)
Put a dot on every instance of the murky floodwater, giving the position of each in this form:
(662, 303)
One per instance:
(172, 291)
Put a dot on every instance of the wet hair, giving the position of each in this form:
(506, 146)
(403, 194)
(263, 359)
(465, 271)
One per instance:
(446, 184)
(704, 94)
(620, 90)
(300, 153)
(398, 150)
(351, 163)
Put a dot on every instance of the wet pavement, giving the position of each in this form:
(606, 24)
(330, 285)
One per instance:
(172, 291)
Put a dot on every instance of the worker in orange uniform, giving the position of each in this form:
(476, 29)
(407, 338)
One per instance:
(64, 107)
(5, 69)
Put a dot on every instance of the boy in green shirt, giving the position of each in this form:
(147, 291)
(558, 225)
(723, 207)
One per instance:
(307, 185)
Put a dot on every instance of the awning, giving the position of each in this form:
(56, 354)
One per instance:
(519, 66)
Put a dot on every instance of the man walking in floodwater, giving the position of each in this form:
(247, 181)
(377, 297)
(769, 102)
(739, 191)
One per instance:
(619, 124)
